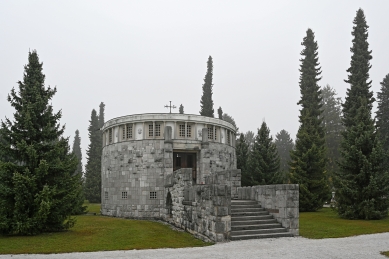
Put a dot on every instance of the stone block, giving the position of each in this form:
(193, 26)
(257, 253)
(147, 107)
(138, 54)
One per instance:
(222, 211)
(220, 227)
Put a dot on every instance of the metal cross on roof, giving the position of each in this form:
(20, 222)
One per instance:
(170, 106)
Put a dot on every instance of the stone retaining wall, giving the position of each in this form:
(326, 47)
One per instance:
(281, 200)
(204, 210)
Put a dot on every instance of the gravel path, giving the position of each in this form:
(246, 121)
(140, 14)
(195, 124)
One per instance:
(365, 246)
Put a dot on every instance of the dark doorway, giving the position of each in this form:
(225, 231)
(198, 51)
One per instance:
(169, 205)
(185, 160)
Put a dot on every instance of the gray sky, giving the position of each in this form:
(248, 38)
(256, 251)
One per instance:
(136, 56)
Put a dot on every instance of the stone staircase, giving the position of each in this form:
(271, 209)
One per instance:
(250, 221)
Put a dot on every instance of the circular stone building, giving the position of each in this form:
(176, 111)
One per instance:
(141, 152)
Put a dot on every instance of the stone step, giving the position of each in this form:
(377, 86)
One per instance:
(256, 226)
(249, 218)
(243, 202)
(253, 222)
(249, 213)
(258, 231)
(257, 236)
(246, 206)
(246, 209)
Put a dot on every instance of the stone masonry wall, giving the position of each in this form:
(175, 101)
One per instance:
(281, 200)
(135, 167)
(204, 210)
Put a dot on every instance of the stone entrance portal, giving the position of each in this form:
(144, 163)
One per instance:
(185, 160)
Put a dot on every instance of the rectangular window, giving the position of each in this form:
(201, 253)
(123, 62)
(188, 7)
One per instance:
(182, 130)
(153, 195)
(110, 135)
(210, 132)
(123, 132)
(151, 130)
(129, 131)
(106, 195)
(228, 137)
(157, 130)
(124, 195)
(215, 133)
(188, 131)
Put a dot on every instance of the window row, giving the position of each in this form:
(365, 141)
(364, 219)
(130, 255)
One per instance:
(153, 195)
(155, 130)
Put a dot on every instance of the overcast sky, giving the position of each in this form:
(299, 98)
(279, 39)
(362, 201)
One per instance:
(136, 56)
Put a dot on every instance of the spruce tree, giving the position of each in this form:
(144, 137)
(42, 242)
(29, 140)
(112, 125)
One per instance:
(93, 164)
(382, 118)
(242, 154)
(333, 126)
(362, 184)
(264, 159)
(76, 150)
(206, 102)
(284, 145)
(181, 109)
(220, 112)
(308, 159)
(37, 186)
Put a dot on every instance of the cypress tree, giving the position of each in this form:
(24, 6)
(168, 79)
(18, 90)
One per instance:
(264, 159)
(242, 153)
(220, 112)
(76, 150)
(101, 118)
(181, 109)
(206, 102)
(93, 165)
(308, 160)
(382, 118)
(362, 184)
(37, 186)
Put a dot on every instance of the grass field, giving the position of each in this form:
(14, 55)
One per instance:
(385, 253)
(98, 233)
(325, 223)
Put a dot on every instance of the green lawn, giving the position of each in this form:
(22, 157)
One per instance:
(93, 207)
(98, 233)
(325, 223)
(385, 253)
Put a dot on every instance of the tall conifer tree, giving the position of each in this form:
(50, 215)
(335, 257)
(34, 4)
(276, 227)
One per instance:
(333, 126)
(37, 185)
(264, 159)
(206, 102)
(76, 150)
(309, 157)
(220, 112)
(382, 117)
(93, 165)
(362, 185)
(242, 155)
(284, 144)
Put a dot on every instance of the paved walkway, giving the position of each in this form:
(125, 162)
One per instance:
(358, 247)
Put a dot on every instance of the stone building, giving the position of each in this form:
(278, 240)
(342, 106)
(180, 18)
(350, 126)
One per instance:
(141, 152)
(182, 169)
